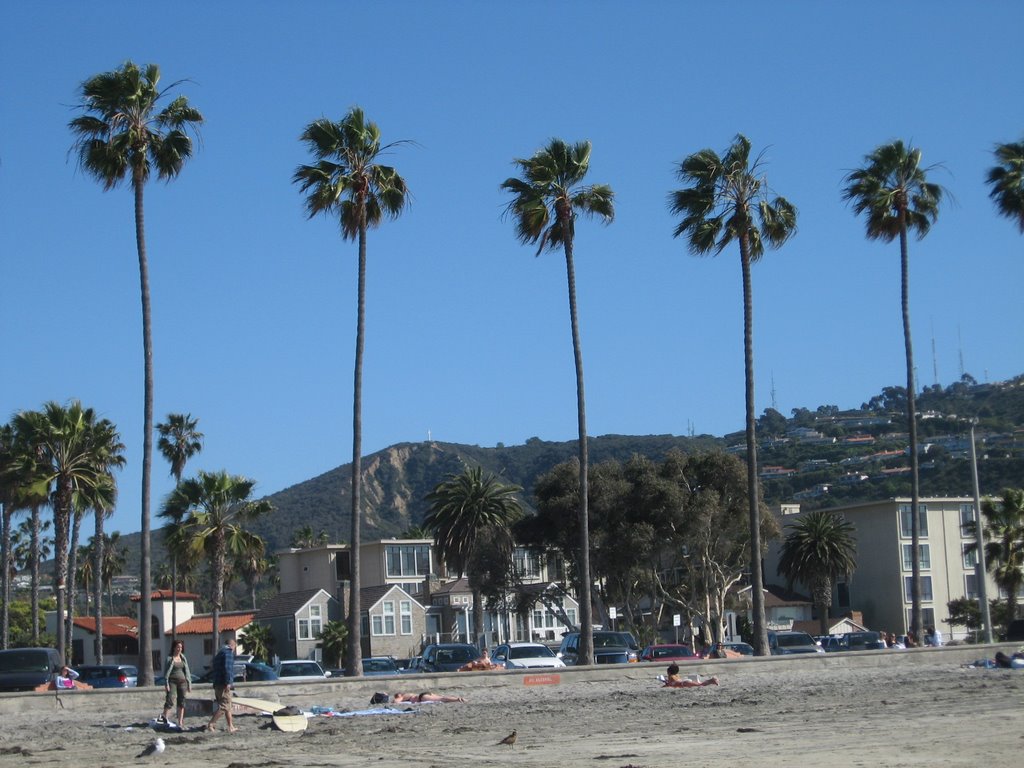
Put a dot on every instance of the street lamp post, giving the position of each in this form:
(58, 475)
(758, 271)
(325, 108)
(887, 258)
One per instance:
(986, 617)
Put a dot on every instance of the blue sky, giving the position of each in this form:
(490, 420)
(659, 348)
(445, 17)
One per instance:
(467, 332)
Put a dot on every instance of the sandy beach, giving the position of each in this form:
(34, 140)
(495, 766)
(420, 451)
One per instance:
(897, 711)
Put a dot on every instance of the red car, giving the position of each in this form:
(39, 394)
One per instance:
(667, 653)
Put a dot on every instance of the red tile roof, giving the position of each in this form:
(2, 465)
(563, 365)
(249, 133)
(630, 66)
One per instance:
(203, 625)
(113, 626)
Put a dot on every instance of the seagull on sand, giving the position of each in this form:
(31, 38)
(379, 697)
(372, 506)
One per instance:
(510, 739)
(156, 748)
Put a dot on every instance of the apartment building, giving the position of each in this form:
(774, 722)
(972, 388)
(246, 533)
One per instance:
(880, 587)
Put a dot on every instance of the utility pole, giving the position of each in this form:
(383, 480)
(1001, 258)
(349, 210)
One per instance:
(986, 617)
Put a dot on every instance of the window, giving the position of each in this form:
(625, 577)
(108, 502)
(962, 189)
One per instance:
(342, 566)
(926, 588)
(927, 619)
(967, 521)
(304, 629)
(971, 586)
(924, 556)
(906, 522)
(315, 621)
(970, 557)
(407, 560)
(388, 607)
(526, 563)
(405, 610)
(843, 590)
(208, 646)
(291, 629)
(378, 624)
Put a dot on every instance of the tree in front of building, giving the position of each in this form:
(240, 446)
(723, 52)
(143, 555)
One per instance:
(819, 548)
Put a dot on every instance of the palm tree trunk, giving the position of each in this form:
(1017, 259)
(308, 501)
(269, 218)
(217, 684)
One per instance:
(35, 575)
(5, 590)
(76, 530)
(97, 587)
(61, 520)
(355, 651)
(760, 639)
(586, 650)
(915, 488)
(219, 560)
(145, 604)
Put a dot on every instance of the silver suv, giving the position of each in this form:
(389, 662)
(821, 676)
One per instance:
(609, 648)
(786, 643)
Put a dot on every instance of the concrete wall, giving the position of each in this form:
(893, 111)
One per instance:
(139, 703)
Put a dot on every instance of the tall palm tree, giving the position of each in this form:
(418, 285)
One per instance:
(545, 203)
(76, 453)
(893, 192)
(251, 564)
(125, 133)
(8, 485)
(1003, 532)
(25, 486)
(214, 508)
(819, 548)
(180, 440)
(31, 547)
(463, 508)
(1007, 181)
(348, 181)
(727, 199)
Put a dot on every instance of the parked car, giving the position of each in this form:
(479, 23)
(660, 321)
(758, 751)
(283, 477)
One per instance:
(379, 666)
(22, 669)
(609, 647)
(448, 657)
(525, 656)
(830, 643)
(1014, 631)
(667, 653)
(788, 643)
(413, 665)
(744, 649)
(862, 641)
(245, 672)
(109, 675)
(300, 670)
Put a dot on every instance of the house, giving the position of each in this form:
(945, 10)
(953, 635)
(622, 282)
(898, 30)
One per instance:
(393, 622)
(296, 620)
(414, 567)
(120, 639)
(880, 587)
(196, 635)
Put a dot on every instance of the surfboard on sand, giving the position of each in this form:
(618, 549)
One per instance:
(246, 705)
(290, 723)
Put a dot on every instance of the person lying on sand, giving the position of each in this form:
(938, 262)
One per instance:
(673, 680)
(426, 696)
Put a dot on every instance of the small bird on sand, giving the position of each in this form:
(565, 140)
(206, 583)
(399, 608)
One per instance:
(156, 748)
(510, 739)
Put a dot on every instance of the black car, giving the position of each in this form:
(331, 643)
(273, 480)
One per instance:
(609, 648)
(245, 672)
(22, 669)
(448, 657)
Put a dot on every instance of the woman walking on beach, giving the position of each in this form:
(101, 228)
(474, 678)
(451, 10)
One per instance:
(177, 680)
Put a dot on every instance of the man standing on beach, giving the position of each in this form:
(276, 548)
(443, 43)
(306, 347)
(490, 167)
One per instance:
(223, 679)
